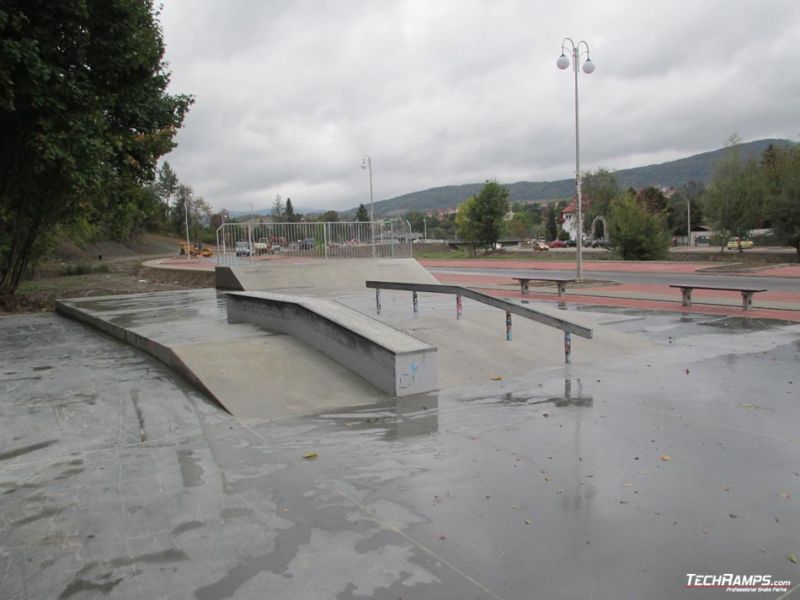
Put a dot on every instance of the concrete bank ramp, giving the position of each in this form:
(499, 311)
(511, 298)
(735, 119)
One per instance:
(252, 373)
(320, 278)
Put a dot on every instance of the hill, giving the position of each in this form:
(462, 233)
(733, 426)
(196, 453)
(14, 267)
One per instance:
(699, 167)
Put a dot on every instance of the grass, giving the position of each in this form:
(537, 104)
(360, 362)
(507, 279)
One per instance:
(82, 269)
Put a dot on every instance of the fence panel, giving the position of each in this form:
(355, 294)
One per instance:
(257, 242)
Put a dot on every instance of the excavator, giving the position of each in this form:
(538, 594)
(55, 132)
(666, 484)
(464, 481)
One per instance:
(196, 250)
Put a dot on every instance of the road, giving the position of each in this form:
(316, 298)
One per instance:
(784, 284)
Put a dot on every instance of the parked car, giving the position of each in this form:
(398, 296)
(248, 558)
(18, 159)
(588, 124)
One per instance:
(307, 243)
(539, 246)
(571, 243)
(557, 244)
(736, 243)
(243, 249)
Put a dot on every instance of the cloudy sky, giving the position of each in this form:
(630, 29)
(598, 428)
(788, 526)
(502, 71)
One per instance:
(290, 95)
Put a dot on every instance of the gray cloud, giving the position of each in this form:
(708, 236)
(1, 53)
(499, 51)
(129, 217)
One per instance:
(290, 95)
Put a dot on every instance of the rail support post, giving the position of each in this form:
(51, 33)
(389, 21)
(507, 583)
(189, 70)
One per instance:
(415, 301)
(458, 307)
(378, 300)
(508, 326)
(567, 347)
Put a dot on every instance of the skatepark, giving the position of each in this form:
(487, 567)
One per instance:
(296, 434)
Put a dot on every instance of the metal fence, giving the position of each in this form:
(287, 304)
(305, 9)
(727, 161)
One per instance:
(253, 242)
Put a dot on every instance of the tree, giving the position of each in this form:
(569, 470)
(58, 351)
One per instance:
(483, 216)
(598, 189)
(362, 216)
(635, 232)
(552, 225)
(734, 198)
(288, 212)
(83, 110)
(783, 207)
(653, 199)
(330, 216)
(417, 220)
(277, 208)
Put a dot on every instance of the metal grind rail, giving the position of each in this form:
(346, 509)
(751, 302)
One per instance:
(568, 327)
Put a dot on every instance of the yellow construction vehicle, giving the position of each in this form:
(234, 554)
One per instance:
(196, 250)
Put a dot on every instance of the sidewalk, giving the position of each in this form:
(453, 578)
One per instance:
(770, 304)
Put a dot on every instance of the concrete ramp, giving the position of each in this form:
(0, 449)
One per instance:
(251, 373)
(331, 278)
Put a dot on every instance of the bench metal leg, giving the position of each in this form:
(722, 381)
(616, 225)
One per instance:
(508, 326)
(567, 347)
(378, 300)
(687, 296)
(747, 300)
(562, 288)
(415, 301)
(458, 307)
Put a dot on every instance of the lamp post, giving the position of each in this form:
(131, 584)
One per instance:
(366, 163)
(588, 67)
(688, 222)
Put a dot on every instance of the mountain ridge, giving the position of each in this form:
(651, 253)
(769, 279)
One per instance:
(674, 173)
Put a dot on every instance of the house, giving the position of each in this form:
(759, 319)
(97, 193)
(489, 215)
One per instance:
(569, 219)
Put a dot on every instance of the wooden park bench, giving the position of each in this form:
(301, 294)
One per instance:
(561, 282)
(746, 292)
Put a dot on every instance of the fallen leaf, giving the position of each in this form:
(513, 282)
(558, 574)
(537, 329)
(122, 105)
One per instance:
(733, 516)
(792, 557)
(687, 371)
(545, 415)
(528, 522)
(725, 488)
(666, 457)
(627, 484)
(310, 455)
(498, 378)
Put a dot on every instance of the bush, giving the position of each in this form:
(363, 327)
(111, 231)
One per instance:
(637, 234)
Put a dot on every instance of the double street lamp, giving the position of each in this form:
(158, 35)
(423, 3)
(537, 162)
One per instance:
(588, 67)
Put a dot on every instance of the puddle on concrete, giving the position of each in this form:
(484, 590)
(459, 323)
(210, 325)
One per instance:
(191, 471)
(741, 324)
(394, 418)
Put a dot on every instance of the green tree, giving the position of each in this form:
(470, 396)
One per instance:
(330, 216)
(552, 224)
(635, 232)
(521, 225)
(288, 212)
(783, 208)
(417, 220)
(362, 216)
(598, 189)
(466, 226)
(83, 103)
(485, 215)
(676, 212)
(734, 200)
(653, 199)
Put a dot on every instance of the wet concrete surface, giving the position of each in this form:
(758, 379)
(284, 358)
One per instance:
(609, 479)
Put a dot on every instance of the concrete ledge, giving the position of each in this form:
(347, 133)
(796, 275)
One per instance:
(389, 359)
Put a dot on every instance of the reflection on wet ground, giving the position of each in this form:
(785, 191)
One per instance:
(612, 479)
